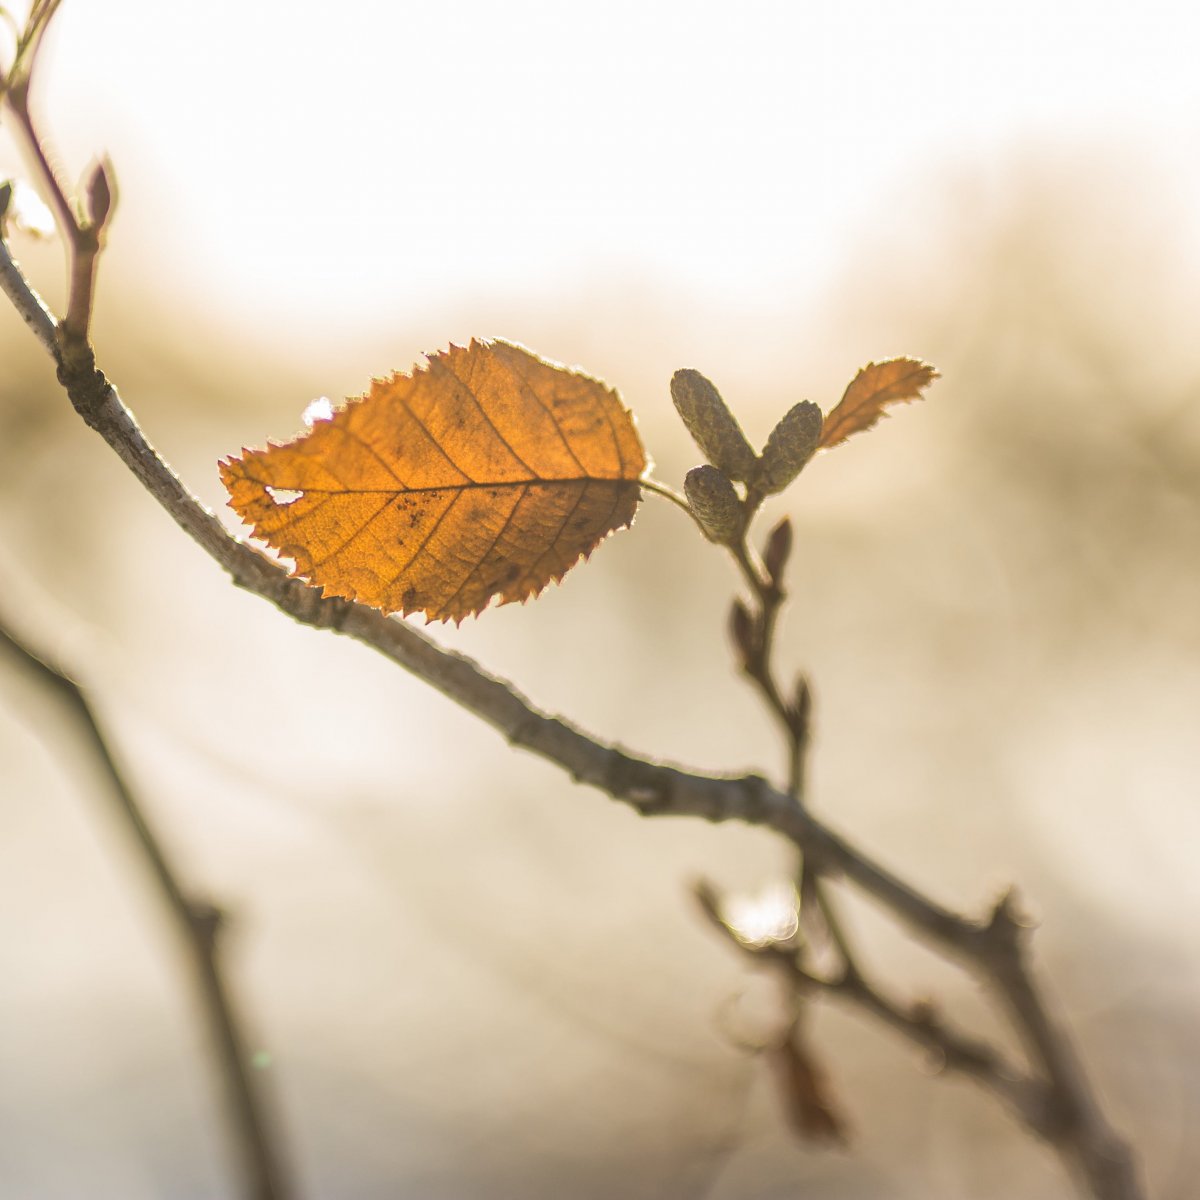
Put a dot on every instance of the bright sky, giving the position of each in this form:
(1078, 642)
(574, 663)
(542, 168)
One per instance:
(386, 156)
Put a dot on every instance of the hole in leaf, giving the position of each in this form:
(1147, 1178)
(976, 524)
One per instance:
(283, 495)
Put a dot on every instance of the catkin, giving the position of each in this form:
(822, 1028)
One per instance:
(791, 444)
(714, 427)
(711, 497)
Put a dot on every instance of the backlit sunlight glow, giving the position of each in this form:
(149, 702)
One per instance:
(27, 213)
(771, 916)
(319, 409)
(745, 185)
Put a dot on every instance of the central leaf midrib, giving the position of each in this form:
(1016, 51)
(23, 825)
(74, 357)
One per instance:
(442, 487)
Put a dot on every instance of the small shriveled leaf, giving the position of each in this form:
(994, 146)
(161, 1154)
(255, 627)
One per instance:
(714, 427)
(490, 472)
(897, 381)
(808, 1100)
(715, 504)
(791, 444)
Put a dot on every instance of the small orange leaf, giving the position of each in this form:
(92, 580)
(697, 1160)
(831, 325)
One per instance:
(490, 472)
(877, 385)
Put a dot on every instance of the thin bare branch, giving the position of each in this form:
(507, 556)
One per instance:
(1028, 1099)
(199, 924)
(83, 229)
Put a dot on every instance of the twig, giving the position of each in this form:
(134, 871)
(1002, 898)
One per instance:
(1027, 1098)
(83, 232)
(755, 638)
(199, 924)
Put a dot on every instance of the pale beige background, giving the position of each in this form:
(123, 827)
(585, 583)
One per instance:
(473, 979)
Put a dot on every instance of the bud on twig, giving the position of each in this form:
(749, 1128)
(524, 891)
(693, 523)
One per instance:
(99, 195)
(5, 197)
(714, 503)
(778, 551)
(714, 427)
(791, 444)
(800, 713)
(741, 629)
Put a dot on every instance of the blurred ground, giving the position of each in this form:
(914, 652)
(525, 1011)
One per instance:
(476, 980)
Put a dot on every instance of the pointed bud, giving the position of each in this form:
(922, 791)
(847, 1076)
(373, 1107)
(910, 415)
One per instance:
(741, 629)
(5, 197)
(714, 427)
(778, 551)
(714, 503)
(100, 195)
(791, 444)
(800, 713)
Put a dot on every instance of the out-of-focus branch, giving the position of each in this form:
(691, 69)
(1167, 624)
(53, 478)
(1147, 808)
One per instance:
(199, 924)
(1027, 1098)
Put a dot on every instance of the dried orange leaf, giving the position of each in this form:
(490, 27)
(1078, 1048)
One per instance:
(490, 472)
(877, 385)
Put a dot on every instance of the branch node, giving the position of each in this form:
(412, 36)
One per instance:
(82, 380)
(208, 920)
(1007, 926)
(648, 793)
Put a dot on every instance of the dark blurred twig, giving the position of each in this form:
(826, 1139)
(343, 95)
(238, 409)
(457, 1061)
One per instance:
(199, 924)
(1027, 1098)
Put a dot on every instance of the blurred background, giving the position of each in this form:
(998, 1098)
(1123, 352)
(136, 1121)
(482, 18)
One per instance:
(466, 977)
